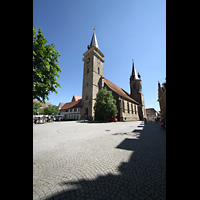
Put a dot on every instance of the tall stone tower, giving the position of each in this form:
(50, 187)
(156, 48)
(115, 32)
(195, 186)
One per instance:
(93, 71)
(136, 91)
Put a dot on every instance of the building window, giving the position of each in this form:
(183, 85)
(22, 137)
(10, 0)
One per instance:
(128, 107)
(132, 108)
(123, 106)
(135, 109)
(98, 71)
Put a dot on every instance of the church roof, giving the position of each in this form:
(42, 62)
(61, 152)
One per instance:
(119, 90)
(94, 41)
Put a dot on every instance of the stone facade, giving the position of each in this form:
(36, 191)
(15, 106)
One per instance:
(136, 91)
(93, 71)
(127, 107)
(130, 106)
(162, 98)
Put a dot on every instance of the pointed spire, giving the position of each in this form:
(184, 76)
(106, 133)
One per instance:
(94, 40)
(134, 72)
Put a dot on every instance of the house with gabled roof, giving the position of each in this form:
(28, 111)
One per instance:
(71, 110)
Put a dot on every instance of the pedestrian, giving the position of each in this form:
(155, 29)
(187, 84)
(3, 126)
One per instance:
(145, 120)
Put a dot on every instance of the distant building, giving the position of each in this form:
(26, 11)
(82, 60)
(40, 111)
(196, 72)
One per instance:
(71, 110)
(130, 106)
(162, 98)
(151, 114)
(43, 105)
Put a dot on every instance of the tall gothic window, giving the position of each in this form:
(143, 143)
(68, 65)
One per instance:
(128, 106)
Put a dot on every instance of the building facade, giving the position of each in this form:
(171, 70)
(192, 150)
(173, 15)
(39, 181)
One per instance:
(152, 114)
(130, 106)
(162, 98)
(72, 110)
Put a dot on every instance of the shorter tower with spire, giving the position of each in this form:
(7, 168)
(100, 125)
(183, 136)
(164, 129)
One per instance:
(136, 90)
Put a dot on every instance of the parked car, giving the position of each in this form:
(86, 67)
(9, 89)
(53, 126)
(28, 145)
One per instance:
(111, 119)
(163, 122)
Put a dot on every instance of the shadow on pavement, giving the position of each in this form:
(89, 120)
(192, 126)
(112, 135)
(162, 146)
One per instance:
(143, 177)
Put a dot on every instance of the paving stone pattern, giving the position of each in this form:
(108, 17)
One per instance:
(74, 160)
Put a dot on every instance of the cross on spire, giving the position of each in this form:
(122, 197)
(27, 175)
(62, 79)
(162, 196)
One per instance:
(94, 40)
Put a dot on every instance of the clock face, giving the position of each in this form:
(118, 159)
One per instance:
(88, 60)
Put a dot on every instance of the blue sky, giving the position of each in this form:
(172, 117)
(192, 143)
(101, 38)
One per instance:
(125, 30)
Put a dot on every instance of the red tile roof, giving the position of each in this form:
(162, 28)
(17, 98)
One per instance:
(76, 98)
(73, 104)
(150, 111)
(43, 105)
(119, 90)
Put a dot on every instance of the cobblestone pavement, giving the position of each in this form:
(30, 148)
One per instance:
(123, 160)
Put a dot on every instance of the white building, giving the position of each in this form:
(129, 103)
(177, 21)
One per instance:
(71, 110)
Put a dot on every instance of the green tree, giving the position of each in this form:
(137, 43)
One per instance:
(51, 110)
(105, 105)
(45, 67)
(36, 108)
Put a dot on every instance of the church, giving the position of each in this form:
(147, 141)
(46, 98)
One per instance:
(130, 106)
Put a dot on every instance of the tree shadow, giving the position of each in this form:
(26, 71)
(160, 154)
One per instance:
(142, 177)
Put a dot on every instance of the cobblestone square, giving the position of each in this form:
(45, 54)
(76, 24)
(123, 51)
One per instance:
(76, 160)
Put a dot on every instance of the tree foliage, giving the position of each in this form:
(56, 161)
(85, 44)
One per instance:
(50, 110)
(36, 108)
(105, 105)
(45, 67)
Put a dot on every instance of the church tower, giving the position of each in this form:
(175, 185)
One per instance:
(92, 73)
(136, 91)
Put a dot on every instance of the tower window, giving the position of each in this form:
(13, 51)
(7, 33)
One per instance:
(98, 70)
